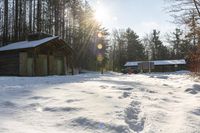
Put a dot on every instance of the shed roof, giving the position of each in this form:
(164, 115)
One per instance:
(26, 44)
(158, 62)
(135, 63)
(170, 62)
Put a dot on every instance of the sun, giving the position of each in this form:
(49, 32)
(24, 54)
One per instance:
(100, 14)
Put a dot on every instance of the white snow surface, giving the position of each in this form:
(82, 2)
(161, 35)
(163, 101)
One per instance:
(26, 44)
(94, 103)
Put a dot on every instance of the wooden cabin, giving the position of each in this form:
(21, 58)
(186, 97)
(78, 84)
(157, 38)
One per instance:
(156, 66)
(47, 56)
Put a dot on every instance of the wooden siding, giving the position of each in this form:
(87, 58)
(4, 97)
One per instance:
(60, 66)
(23, 64)
(30, 66)
(51, 64)
(169, 68)
(41, 65)
(9, 64)
(51, 58)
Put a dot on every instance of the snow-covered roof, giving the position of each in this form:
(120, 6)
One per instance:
(170, 62)
(135, 63)
(158, 62)
(26, 44)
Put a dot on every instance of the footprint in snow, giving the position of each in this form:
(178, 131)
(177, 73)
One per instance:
(194, 90)
(171, 93)
(87, 92)
(60, 109)
(73, 100)
(104, 87)
(165, 85)
(150, 91)
(97, 125)
(57, 88)
(125, 95)
(196, 112)
(114, 87)
(109, 97)
(133, 118)
(126, 89)
(8, 104)
(39, 98)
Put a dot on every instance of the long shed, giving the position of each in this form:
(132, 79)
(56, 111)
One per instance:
(157, 65)
(47, 56)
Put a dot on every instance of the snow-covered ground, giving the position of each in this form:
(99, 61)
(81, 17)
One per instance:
(92, 103)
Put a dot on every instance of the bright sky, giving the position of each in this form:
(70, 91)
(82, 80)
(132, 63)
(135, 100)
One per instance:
(141, 15)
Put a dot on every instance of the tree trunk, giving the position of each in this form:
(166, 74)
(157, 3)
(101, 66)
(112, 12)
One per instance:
(34, 12)
(5, 27)
(30, 16)
(39, 16)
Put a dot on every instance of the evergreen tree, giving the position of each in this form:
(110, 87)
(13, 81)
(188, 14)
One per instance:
(177, 43)
(126, 47)
(157, 49)
(135, 49)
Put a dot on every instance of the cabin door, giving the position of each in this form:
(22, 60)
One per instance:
(44, 65)
(30, 66)
(60, 66)
(41, 65)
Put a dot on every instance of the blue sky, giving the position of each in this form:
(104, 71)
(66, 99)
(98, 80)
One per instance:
(141, 15)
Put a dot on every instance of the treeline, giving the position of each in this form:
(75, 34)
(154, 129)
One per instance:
(72, 20)
(179, 44)
(187, 13)
(127, 46)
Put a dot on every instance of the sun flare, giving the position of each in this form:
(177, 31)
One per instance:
(101, 15)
